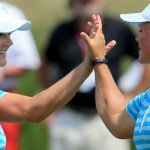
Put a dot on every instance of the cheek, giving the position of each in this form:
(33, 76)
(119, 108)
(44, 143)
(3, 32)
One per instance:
(144, 55)
(146, 47)
(2, 59)
(144, 43)
(3, 62)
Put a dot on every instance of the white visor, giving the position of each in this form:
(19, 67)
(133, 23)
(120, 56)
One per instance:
(9, 24)
(143, 16)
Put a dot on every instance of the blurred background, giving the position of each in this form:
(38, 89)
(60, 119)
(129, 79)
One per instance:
(45, 15)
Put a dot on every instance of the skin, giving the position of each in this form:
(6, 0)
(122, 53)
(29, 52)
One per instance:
(110, 102)
(144, 44)
(20, 108)
(5, 43)
(82, 10)
(77, 7)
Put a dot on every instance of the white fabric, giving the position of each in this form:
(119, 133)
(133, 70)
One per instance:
(88, 84)
(23, 53)
(127, 82)
(143, 16)
(77, 131)
(131, 78)
(10, 23)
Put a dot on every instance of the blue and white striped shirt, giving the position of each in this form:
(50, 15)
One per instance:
(139, 110)
(2, 134)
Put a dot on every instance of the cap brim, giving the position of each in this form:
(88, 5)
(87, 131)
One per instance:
(133, 18)
(9, 24)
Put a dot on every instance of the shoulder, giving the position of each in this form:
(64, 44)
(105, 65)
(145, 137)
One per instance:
(142, 97)
(134, 106)
(147, 95)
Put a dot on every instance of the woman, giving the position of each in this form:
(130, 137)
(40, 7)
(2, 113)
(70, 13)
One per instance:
(124, 119)
(20, 108)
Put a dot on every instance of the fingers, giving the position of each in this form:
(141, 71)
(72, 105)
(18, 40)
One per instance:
(99, 22)
(110, 45)
(94, 31)
(90, 24)
(94, 17)
(94, 24)
(85, 37)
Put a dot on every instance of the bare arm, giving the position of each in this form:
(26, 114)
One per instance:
(21, 108)
(109, 100)
(111, 104)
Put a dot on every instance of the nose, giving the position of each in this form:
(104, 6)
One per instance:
(7, 39)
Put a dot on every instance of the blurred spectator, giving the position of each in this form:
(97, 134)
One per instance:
(21, 57)
(77, 125)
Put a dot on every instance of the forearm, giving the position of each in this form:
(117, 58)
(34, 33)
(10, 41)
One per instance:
(110, 102)
(19, 108)
(49, 100)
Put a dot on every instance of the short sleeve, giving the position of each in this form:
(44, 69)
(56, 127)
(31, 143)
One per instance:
(133, 107)
(2, 93)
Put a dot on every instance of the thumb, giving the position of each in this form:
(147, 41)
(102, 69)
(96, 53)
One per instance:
(110, 45)
(85, 37)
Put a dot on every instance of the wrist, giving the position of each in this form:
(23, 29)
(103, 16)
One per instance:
(99, 61)
(87, 65)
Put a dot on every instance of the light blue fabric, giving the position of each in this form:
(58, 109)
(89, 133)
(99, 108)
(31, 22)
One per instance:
(139, 110)
(2, 93)
(2, 139)
(2, 134)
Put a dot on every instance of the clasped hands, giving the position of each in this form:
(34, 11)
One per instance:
(95, 42)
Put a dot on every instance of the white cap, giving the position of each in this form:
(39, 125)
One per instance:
(143, 16)
(10, 24)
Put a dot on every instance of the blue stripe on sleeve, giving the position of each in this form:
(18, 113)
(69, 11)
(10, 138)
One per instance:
(2, 93)
(134, 106)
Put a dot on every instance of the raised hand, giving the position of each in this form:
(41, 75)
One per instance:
(95, 41)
